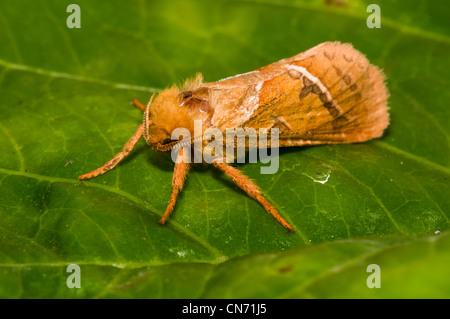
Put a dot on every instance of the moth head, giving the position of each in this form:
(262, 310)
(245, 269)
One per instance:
(176, 108)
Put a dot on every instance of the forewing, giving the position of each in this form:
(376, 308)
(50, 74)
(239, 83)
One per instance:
(328, 94)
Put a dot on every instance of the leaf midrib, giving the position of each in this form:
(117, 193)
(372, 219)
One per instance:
(57, 74)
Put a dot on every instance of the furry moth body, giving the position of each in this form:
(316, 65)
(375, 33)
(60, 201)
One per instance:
(329, 94)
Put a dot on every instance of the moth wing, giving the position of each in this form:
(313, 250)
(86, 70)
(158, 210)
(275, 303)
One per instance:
(328, 94)
(236, 99)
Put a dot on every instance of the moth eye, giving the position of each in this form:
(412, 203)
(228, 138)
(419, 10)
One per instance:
(186, 95)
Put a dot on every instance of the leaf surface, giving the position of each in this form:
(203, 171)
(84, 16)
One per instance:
(64, 103)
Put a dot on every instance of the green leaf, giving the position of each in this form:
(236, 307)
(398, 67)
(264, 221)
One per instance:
(65, 110)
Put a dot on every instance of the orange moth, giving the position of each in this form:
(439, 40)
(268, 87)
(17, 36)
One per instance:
(327, 95)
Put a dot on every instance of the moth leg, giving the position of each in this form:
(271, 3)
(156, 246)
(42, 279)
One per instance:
(112, 163)
(252, 190)
(138, 104)
(179, 175)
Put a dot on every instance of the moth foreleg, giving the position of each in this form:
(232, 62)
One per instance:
(138, 104)
(179, 175)
(252, 190)
(112, 163)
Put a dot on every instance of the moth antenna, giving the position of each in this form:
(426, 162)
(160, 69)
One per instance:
(187, 142)
(147, 122)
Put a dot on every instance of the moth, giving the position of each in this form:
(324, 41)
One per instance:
(329, 94)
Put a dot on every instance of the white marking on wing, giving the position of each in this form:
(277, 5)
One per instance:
(315, 80)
